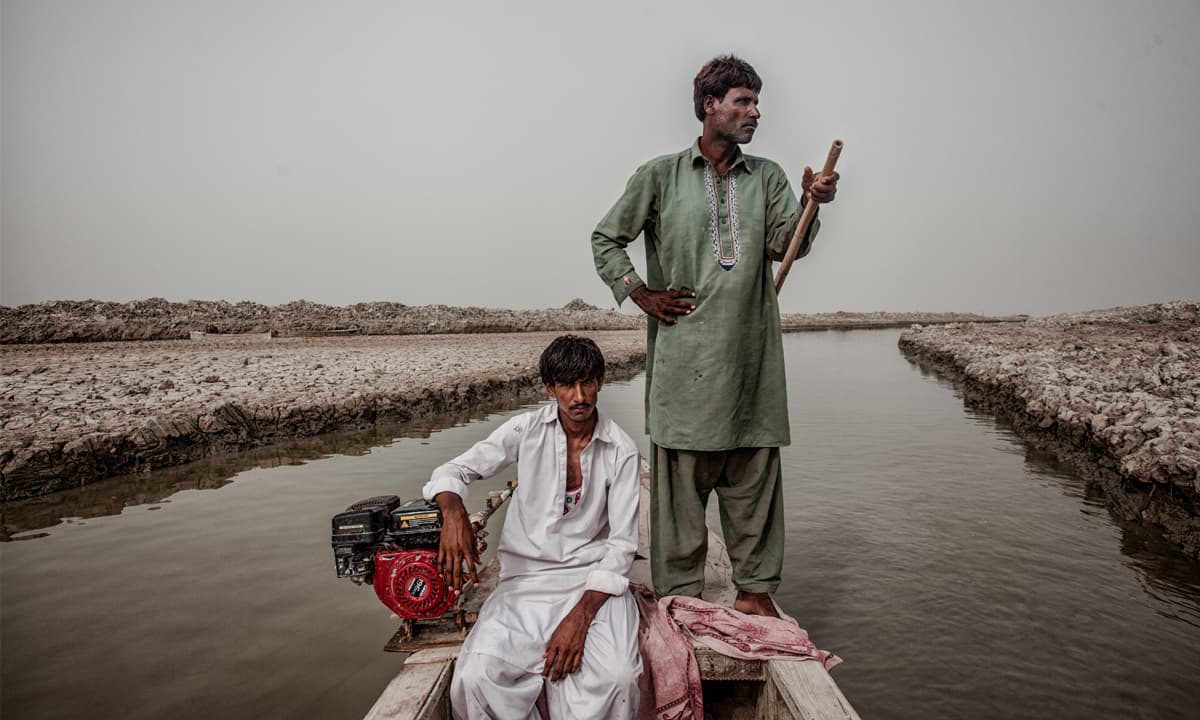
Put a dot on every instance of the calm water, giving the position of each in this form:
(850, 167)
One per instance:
(959, 574)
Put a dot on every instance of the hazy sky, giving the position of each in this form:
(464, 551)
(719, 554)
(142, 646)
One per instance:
(1000, 157)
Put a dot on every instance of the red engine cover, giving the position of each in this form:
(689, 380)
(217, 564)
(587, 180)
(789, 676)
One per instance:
(408, 582)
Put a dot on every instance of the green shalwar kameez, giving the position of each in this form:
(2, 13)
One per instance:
(715, 386)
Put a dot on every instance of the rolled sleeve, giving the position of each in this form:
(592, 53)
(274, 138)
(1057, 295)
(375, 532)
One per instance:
(607, 582)
(447, 478)
(623, 287)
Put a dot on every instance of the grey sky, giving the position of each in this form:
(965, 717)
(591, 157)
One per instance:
(1006, 157)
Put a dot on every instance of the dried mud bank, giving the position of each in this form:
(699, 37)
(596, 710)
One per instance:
(158, 319)
(75, 413)
(113, 495)
(91, 389)
(1115, 392)
(72, 321)
(797, 322)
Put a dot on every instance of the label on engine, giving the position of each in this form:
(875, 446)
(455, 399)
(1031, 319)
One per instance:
(417, 520)
(417, 588)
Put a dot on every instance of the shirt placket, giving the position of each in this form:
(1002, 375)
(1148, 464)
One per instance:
(585, 468)
(555, 512)
(723, 200)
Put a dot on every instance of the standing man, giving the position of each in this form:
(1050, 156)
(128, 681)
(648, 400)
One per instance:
(716, 401)
(562, 617)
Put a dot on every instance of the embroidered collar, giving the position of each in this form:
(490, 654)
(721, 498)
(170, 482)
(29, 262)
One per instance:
(745, 161)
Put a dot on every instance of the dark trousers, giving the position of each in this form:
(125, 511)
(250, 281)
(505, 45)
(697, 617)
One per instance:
(749, 487)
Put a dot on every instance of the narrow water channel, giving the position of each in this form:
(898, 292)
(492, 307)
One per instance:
(958, 573)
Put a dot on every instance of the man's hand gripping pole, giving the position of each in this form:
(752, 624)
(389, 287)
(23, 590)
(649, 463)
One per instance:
(810, 211)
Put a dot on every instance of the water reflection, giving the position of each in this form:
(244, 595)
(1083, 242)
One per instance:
(1165, 573)
(113, 495)
(961, 572)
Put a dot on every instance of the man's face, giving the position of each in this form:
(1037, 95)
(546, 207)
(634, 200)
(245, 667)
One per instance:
(735, 116)
(576, 401)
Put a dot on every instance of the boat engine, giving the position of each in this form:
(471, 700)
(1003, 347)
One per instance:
(393, 546)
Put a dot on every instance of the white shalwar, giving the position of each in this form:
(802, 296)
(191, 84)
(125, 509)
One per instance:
(548, 559)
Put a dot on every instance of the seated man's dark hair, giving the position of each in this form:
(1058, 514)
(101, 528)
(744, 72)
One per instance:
(569, 359)
(719, 76)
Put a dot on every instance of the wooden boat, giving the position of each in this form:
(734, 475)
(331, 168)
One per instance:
(734, 689)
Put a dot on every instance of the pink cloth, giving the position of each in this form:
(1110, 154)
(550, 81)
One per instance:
(670, 683)
(748, 637)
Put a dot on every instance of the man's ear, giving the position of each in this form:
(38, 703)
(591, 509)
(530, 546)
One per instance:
(550, 390)
(710, 104)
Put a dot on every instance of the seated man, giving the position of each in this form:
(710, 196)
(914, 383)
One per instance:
(562, 610)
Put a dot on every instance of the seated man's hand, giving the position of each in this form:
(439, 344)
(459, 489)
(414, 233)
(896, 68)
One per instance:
(458, 544)
(666, 305)
(564, 652)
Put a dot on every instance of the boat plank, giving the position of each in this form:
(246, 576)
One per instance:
(715, 666)
(420, 691)
(808, 692)
(433, 655)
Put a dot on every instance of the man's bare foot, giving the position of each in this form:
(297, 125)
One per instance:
(755, 604)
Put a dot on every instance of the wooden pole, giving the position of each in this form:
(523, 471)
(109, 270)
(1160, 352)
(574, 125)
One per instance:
(810, 210)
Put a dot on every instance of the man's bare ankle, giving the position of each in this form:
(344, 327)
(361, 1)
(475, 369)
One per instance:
(755, 603)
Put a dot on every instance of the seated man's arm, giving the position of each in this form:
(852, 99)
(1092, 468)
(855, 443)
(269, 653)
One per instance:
(564, 652)
(611, 574)
(448, 486)
(457, 545)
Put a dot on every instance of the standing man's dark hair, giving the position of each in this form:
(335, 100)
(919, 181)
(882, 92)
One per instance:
(570, 359)
(719, 76)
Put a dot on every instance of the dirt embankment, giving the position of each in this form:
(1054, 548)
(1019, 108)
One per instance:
(64, 321)
(158, 319)
(78, 412)
(1117, 392)
(799, 322)
(86, 394)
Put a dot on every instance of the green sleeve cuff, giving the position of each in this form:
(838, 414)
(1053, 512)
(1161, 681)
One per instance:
(624, 285)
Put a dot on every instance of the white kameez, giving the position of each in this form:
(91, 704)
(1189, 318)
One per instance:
(547, 561)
